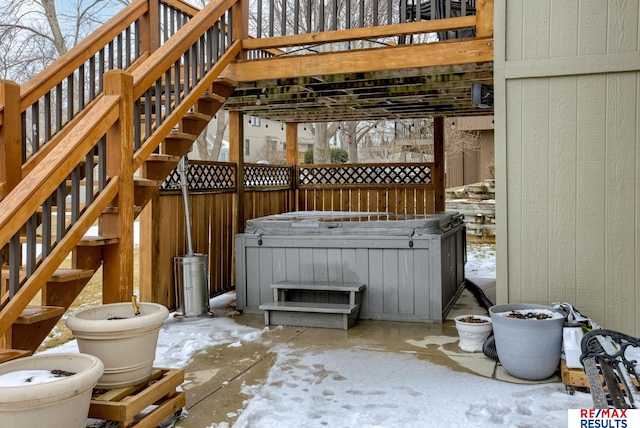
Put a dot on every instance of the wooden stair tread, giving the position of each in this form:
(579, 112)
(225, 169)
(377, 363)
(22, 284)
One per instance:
(316, 307)
(97, 241)
(319, 286)
(34, 314)
(12, 354)
(227, 81)
(114, 210)
(212, 96)
(60, 275)
(197, 116)
(65, 275)
(160, 157)
(182, 136)
(146, 182)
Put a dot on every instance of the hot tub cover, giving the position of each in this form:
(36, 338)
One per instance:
(354, 223)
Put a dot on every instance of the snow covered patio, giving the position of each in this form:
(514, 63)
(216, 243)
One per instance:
(377, 374)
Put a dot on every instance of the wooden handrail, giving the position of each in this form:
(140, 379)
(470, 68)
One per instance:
(447, 24)
(182, 7)
(48, 78)
(154, 140)
(36, 281)
(29, 194)
(167, 54)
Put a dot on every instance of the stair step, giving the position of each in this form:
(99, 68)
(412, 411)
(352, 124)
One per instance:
(226, 81)
(316, 307)
(114, 210)
(60, 275)
(34, 314)
(159, 157)
(180, 136)
(66, 275)
(212, 96)
(97, 241)
(319, 286)
(310, 314)
(12, 354)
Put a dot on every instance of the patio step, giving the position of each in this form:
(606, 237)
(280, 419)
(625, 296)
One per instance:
(314, 304)
(310, 314)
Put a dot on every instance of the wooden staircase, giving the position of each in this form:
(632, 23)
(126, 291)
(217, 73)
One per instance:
(23, 326)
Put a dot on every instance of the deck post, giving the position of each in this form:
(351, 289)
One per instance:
(240, 23)
(10, 137)
(150, 28)
(117, 273)
(293, 155)
(10, 160)
(437, 175)
(236, 155)
(484, 18)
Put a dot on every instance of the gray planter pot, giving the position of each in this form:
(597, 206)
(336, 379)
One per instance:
(527, 349)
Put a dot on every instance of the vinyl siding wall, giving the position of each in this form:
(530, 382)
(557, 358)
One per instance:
(567, 76)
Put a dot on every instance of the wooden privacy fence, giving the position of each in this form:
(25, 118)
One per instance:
(401, 188)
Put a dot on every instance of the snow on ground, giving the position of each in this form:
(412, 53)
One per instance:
(363, 387)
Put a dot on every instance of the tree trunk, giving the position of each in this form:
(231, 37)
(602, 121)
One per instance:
(202, 143)
(321, 152)
(52, 17)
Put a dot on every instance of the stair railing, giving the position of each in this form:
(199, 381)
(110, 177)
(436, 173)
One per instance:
(104, 132)
(61, 92)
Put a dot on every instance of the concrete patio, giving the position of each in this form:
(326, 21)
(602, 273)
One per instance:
(214, 379)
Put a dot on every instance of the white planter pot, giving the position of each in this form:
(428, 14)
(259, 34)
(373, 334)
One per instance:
(473, 335)
(62, 403)
(528, 349)
(126, 346)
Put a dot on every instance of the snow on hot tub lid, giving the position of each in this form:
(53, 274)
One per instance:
(354, 223)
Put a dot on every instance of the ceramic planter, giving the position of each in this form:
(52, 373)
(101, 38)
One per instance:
(62, 403)
(528, 348)
(125, 342)
(473, 334)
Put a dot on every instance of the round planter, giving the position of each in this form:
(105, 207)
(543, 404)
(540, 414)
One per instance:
(473, 334)
(527, 348)
(61, 403)
(126, 343)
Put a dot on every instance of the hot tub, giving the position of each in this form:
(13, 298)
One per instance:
(412, 266)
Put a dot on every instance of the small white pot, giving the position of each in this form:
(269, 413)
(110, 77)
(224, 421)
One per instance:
(473, 335)
(126, 346)
(62, 403)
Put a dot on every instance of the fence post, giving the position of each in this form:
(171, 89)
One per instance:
(437, 175)
(484, 18)
(293, 156)
(117, 273)
(10, 137)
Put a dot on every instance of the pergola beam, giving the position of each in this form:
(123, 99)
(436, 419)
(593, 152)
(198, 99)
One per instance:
(364, 60)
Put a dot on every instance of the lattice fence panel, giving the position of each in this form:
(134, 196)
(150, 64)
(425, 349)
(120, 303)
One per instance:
(365, 174)
(202, 176)
(266, 176)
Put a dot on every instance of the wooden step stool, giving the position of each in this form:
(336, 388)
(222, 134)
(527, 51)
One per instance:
(315, 308)
(124, 404)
